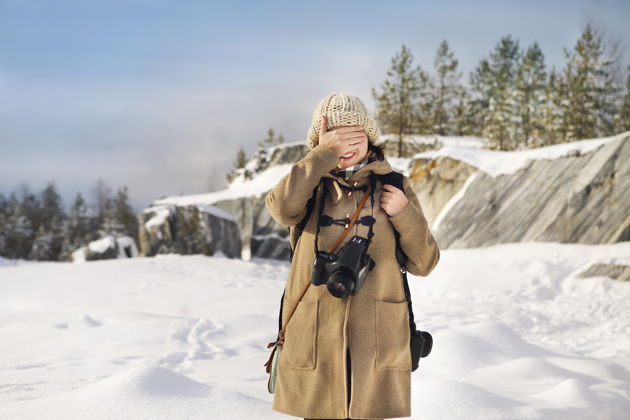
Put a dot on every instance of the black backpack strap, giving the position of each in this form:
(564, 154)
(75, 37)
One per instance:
(396, 179)
(299, 228)
(280, 317)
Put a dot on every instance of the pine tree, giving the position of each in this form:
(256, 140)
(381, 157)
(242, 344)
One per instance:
(446, 91)
(591, 92)
(77, 231)
(554, 130)
(119, 218)
(480, 80)
(102, 194)
(52, 207)
(403, 98)
(270, 140)
(465, 120)
(239, 163)
(18, 230)
(48, 240)
(4, 205)
(623, 117)
(261, 157)
(530, 89)
(493, 83)
(125, 213)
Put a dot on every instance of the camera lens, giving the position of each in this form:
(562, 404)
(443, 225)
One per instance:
(340, 283)
(339, 288)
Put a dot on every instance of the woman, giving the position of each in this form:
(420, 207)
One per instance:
(348, 357)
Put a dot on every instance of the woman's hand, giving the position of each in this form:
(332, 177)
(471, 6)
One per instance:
(342, 139)
(393, 200)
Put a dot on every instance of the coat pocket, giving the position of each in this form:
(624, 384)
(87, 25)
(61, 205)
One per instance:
(300, 343)
(392, 335)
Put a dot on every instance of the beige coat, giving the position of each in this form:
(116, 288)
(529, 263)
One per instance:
(373, 324)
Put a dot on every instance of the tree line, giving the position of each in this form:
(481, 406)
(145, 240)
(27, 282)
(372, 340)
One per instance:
(39, 227)
(512, 101)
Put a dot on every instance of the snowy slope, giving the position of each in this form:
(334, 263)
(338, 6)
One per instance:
(517, 336)
(496, 162)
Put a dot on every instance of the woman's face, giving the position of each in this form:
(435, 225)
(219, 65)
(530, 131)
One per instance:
(355, 153)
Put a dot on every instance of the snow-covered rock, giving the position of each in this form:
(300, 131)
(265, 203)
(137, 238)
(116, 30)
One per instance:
(188, 229)
(107, 247)
(570, 192)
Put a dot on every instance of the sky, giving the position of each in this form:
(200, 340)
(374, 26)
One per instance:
(159, 95)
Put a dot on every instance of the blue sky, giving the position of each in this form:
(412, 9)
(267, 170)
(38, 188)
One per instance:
(159, 95)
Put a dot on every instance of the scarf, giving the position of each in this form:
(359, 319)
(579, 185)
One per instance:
(348, 172)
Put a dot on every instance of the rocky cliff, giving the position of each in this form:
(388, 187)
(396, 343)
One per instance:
(574, 192)
(570, 192)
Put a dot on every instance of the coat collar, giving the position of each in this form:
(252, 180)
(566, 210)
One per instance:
(361, 177)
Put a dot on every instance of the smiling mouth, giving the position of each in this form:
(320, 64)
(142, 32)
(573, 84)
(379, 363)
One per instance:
(348, 156)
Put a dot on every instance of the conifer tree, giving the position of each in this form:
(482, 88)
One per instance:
(119, 218)
(271, 139)
(125, 213)
(465, 120)
(530, 89)
(18, 231)
(77, 231)
(48, 239)
(403, 98)
(446, 91)
(623, 117)
(102, 194)
(261, 156)
(493, 82)
(590, 106)
(554, 129)
(239, 163)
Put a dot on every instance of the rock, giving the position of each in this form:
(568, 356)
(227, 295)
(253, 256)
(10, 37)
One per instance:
(108, 247)
(436, 181)
(619, 272)
(189, 229)
(576, 199)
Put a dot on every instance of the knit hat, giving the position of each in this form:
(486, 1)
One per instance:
(341, 109)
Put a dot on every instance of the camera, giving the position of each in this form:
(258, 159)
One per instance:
(343, 273)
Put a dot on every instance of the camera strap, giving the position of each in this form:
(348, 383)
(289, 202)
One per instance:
(368, 193)
(355, 216)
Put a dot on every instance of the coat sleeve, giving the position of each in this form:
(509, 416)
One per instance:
(416, 239)
(286, 202)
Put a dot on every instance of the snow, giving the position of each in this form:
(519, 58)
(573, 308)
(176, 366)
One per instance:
(257, 186)
(162, 213)
(495, 162)
(103, 244)
(215, 211)
(516, 335)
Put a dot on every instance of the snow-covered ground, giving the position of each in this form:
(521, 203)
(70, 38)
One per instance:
(516, 336)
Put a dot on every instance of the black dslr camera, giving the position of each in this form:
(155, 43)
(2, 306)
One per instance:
(345, 272)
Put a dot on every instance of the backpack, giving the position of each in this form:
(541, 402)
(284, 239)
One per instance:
(421, 342)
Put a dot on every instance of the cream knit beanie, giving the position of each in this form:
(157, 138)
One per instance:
(341, 109)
